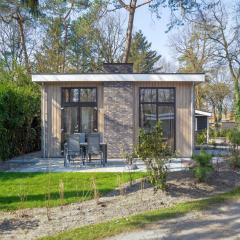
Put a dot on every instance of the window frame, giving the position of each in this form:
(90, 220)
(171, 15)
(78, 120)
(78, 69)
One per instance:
(79, 105)
(157, 103)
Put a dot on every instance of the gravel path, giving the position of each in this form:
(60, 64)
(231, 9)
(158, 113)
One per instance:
(33, 223)
(222, 222)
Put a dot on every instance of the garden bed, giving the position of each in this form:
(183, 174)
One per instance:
(140, 197)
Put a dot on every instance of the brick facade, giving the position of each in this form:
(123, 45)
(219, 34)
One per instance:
(118, 117)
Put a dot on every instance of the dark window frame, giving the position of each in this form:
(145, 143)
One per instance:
(79, 105)
(157, 103)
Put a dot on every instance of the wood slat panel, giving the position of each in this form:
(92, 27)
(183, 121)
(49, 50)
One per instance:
(183, 114)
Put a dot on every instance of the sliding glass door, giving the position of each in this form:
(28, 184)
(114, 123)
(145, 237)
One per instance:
(158, 104)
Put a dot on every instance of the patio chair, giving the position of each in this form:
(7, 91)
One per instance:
(82, 139)
(72, 148)
(94, 146)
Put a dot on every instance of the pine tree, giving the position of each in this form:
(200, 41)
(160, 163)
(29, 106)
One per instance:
(141, 54)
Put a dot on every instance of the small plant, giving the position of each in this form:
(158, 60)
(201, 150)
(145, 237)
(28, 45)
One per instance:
(61, 192)
(203, 166)
(234, 139)
(155, 153)
(201, 138)
(96, 194)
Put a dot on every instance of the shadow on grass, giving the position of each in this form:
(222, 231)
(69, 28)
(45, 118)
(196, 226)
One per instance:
(39, 200)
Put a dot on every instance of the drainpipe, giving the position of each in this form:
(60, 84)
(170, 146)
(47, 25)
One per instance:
(43, 121)
(193, 117)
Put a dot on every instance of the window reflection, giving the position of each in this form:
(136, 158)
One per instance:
(158, 104)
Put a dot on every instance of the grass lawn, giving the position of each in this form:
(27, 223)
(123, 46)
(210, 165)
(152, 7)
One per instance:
(29, 190)
(110, 228)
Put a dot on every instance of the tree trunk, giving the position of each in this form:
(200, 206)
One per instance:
(20, 22)
(237, 101)
(129, 31)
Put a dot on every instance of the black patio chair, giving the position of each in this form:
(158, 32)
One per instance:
(72, 148)
(94, 148)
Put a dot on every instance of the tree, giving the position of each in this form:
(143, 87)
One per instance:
(141, 55)
(216, 93)
(21, 13)
(195, 54)
(110, 38)
(53, 54)
(225, 37)
(175, 6)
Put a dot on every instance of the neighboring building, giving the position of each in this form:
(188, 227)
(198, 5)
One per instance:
(117, 103)
(202, 122)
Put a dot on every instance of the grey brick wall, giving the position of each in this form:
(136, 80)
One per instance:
(118, 117)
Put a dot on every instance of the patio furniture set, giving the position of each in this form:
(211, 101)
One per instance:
(84, 146)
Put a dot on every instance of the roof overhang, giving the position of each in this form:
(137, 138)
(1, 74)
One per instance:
(171, 77)
(202, 113)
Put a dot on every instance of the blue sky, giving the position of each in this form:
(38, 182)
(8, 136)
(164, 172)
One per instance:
(154, 29)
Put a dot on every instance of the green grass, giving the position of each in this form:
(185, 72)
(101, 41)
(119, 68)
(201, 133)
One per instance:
(29, 190)
(117, 226)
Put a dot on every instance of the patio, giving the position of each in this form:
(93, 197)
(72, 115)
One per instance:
(34, 163)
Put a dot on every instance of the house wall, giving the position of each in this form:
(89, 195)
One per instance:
(118, 117)
(184, 114)
(118, 102)
(51, 115)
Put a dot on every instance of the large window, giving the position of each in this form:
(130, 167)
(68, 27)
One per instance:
(79, 110)
(158, 104)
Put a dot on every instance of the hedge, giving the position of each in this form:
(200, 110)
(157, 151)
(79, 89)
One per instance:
(19, 120)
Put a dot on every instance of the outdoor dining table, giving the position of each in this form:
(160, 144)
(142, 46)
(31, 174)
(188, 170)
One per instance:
(103, 147)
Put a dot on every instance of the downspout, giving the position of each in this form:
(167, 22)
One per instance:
(43, 121)
(193, 118)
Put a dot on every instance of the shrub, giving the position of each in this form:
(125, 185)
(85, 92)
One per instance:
(234, 139)
(155, 153)
(201, 137)
(19, 120)
(203, 165)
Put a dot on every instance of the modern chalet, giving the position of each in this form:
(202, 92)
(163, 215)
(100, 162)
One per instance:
(117, 103)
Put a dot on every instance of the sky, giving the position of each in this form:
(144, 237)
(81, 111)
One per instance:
(155, 29)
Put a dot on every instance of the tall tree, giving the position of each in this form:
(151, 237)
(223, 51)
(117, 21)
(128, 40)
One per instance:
(178, 9)
(225, 36)
(141, 54)
(195, 54)
(21, 13)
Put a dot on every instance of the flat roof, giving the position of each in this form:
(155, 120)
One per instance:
(202, 113)
(120, 77)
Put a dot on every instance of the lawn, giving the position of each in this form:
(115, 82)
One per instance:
(29, 190)
(117, 226)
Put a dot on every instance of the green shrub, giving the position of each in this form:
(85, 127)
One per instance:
(19, 120)
(234, 139)
(201, 138)
(203, 165)
(155, 153)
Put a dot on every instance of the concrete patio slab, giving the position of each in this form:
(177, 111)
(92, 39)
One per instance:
(34, 163)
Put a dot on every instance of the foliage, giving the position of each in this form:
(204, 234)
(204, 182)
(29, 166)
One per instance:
(131, 223)
(155, 153)
(19, 120)
(214, 133)
(36, 186)
(201, 137)
(141, 55)
(215, 93)
(203, 165)
(234, 139)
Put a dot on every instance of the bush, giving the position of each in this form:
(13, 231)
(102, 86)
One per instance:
(155, 153)
(201, 138)
(19, 120)
(234, 139)
(203, 165)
